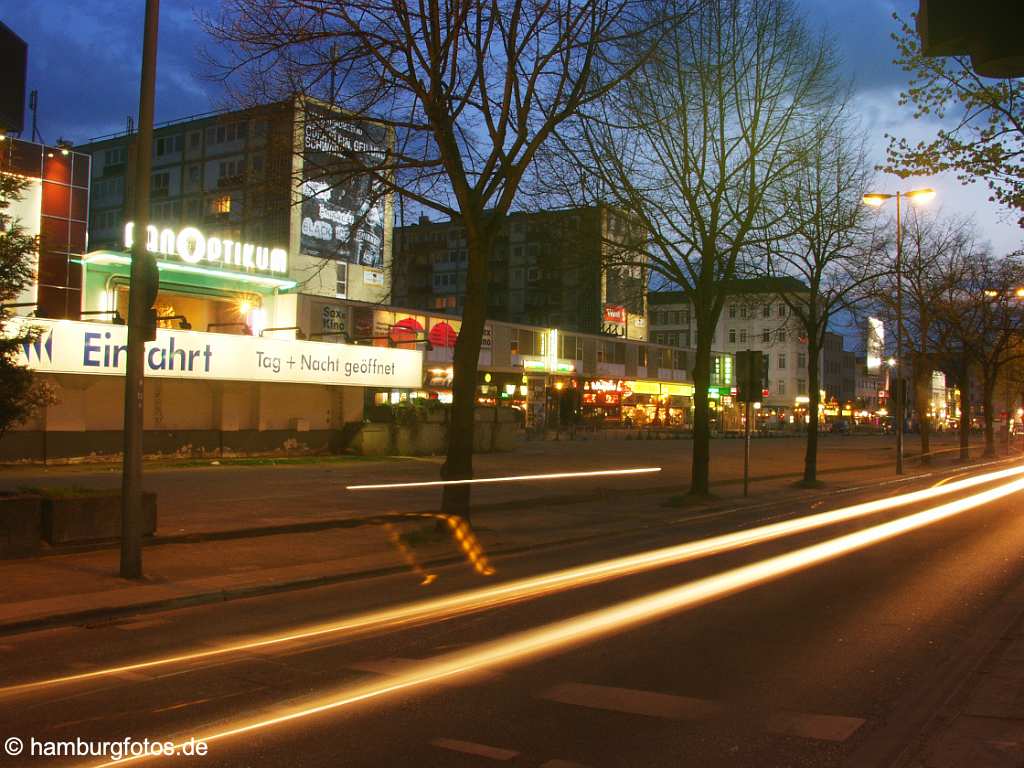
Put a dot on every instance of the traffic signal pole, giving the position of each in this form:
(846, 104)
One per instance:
(140, 300)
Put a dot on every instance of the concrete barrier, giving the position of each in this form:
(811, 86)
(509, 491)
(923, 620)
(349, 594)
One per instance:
(71, 519)
(20, 526)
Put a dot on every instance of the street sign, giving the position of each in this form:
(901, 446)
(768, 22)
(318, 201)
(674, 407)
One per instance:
(750, 377)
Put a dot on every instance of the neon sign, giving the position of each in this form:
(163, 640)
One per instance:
(193, 247)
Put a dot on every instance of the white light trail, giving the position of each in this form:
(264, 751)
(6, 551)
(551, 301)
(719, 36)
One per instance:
(494, 596)
(614, 619)
(510, 479)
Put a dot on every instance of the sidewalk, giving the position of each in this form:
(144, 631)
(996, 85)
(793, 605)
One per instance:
(73, 588)
(982, 726)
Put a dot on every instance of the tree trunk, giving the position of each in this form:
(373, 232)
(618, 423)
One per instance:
(989, 408)
(458, 465)
(699, 470)
(811, 455)
(922, 402)
(965, 411)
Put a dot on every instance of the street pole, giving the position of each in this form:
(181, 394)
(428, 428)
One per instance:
(131, 477)
(746, 449)
(899, 338)
(748, 379)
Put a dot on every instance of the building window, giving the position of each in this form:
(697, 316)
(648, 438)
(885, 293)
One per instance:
(782, 310)
(780, 335)
(160, 183)
(341, 280)
(115, 156)
(782, 360)
(743, 335)
(732, 311)
(766, 310)
(732, 335)
(193, 139)
(641, 356)
(801, 360)
(780, 387)
(221, 204)
(766, 336)
(801, 386)
(743, 311)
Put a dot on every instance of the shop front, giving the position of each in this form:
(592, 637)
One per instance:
(205, 394)
(657, 404)
(207, 284)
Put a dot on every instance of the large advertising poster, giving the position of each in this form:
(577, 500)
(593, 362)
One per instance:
(342, 209)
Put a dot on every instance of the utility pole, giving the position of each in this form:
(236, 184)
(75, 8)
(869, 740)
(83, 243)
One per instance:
(899, 338)
(140, 324)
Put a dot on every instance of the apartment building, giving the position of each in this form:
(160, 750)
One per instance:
(558, 268)
(755, 317)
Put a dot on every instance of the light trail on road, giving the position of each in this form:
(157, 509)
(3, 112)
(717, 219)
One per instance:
(567, 633)
(508, 479)
(441, 608)
(497, 595)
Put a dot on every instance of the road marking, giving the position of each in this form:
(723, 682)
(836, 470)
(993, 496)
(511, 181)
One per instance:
(508, 479)
(686, 708)
(472, 748)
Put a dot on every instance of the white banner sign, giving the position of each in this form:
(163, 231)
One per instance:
(64, 346)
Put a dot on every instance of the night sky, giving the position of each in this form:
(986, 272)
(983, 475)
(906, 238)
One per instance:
(84, 60)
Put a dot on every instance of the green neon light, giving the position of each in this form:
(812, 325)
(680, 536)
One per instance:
(170, 266)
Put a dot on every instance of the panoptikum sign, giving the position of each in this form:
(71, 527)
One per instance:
(193, 247)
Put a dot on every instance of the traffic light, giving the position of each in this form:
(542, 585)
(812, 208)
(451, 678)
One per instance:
(750, 368)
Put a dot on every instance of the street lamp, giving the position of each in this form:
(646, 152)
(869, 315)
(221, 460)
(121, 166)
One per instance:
(876, 199)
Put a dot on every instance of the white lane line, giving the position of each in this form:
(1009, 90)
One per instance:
(663, 705)
(509, 479)
(686, 708)
(472, 748)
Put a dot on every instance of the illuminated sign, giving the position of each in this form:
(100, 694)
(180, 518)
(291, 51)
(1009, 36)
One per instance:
(64, 346)
(193, 247)
(615, 313)
(875, 344)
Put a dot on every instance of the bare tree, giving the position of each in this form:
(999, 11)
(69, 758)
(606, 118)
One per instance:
(936, 251)
(822, 239)
(985, 317)
(691, 148)
(469, 91)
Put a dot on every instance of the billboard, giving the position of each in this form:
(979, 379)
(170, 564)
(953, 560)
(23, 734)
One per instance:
(342, 209)
(875, 344)
(98, 348)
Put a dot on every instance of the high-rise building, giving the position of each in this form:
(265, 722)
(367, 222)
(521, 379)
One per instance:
(579, 269)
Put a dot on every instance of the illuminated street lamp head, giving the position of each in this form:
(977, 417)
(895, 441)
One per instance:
(892, 362)
(875, 199)
(920, 196)
(1019, 293)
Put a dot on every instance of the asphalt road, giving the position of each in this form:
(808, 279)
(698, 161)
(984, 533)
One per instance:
(840, 664)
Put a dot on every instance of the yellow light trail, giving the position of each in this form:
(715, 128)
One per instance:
(510, 479)
(614, 619)
(439, 608)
